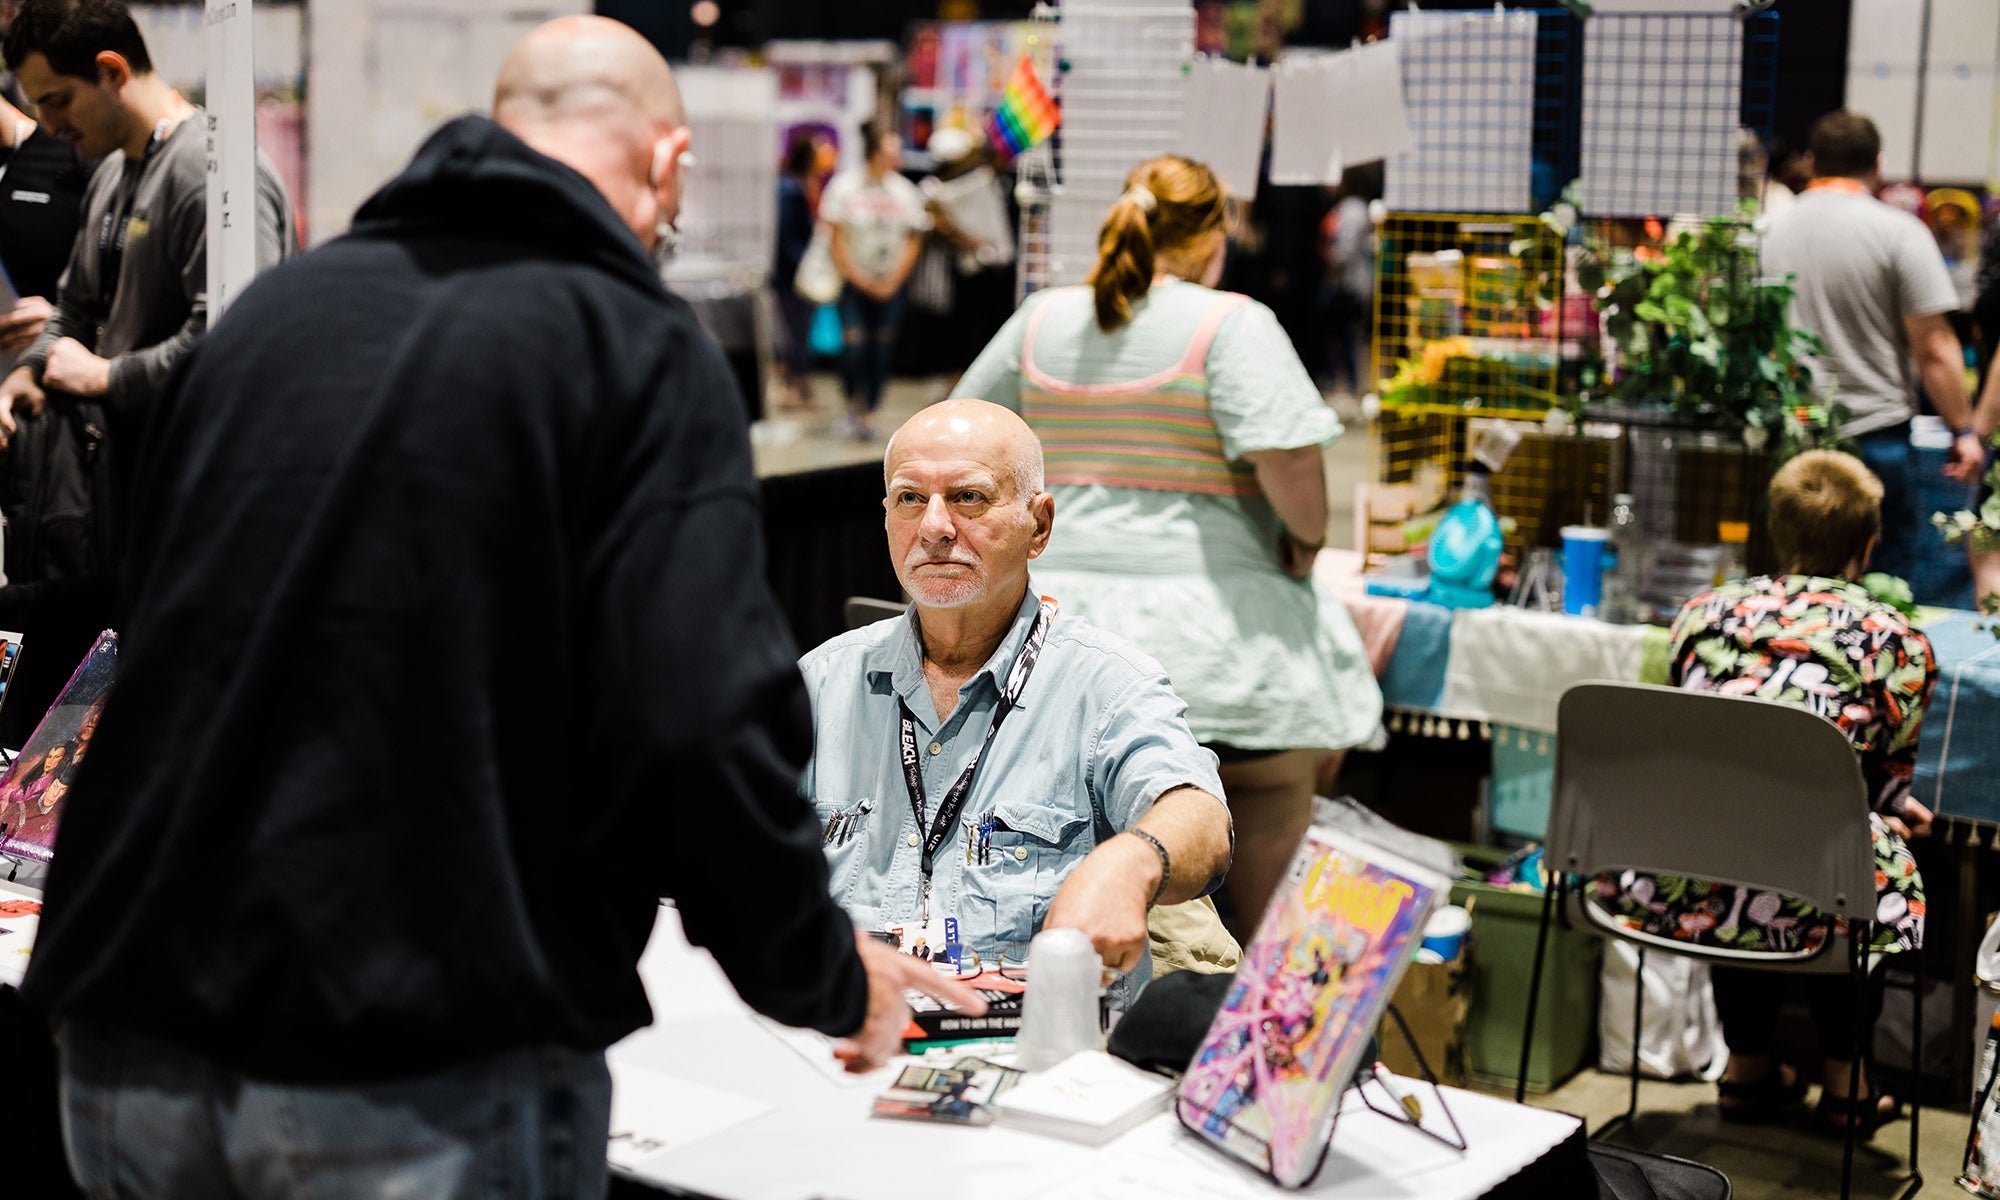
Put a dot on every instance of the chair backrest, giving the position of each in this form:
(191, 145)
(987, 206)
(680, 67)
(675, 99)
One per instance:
(861, 610)
(1727, 788)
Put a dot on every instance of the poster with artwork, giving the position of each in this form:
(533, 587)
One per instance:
(1266, 1084)
(34, 787)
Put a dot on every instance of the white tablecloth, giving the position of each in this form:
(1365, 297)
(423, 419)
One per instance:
(782, 1126)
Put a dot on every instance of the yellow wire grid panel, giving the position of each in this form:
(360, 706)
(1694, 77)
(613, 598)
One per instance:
(1467, 328)
(1468, 312)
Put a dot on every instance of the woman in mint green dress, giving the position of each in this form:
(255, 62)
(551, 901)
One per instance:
(1183, 441)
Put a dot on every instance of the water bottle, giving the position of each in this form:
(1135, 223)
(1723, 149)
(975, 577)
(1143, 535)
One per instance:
(1465, 547)
(1620, 605)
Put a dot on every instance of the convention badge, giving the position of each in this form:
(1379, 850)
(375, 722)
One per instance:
(954, 950)
(927, 939)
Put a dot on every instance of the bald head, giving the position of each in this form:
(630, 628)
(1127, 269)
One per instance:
(594, 95)
(971, 428)
(584, 68)
(965, 507)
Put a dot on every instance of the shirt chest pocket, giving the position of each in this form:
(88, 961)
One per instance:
(843, 827)
(1015, 871)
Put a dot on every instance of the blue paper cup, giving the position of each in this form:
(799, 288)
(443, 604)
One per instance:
(1584, 550)
(1444, 933)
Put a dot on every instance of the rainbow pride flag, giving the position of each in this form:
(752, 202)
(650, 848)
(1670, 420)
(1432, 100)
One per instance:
(1026, 115)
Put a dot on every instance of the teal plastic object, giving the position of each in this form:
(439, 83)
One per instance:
(1465, 555)
(827, 339)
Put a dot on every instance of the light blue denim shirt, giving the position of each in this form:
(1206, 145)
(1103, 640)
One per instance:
(1097, 737)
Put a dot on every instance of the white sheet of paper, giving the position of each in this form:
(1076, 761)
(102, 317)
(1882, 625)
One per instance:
(1223, 125)
(1366, 105)
(977, 207)
(653, 1113)
(1302, 136)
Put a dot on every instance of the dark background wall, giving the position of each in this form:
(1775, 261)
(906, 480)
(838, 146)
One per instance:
(1812, 65)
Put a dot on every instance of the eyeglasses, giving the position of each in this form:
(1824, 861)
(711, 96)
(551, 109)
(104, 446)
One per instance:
(971, 964)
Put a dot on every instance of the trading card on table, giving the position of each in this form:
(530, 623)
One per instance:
(961, 1094)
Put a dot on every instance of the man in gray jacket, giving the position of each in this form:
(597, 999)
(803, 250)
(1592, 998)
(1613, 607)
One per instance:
(134, 296)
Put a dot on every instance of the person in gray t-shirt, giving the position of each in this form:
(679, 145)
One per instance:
(1872, 284)
(135, 294)
(131, 300)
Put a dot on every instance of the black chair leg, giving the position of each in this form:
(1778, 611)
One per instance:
(1555, 884)
(1916, 1089)
(1858, 939)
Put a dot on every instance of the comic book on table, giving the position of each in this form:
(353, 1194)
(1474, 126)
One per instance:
(33, 789)
(1267, 1082)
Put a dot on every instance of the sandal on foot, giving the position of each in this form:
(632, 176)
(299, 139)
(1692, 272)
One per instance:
(1760, 1102)
(1866, 1114)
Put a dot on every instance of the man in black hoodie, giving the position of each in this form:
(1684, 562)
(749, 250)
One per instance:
(448, 652)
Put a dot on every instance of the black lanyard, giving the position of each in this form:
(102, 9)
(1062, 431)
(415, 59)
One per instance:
(111, 231)
(954, 799)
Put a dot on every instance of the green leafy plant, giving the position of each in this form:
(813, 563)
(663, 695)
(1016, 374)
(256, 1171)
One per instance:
(1696, 327)
(1892, 590)
(1983, 527)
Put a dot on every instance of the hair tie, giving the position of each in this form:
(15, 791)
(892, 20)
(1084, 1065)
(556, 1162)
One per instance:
(1140, 195)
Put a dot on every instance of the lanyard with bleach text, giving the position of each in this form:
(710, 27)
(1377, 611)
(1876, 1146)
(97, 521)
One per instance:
(954, 799)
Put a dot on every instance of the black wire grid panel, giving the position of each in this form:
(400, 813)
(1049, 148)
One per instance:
(1470, 89)
(1507, 107)
(1666, 100)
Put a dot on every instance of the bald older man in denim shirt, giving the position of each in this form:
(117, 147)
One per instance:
(987, 757)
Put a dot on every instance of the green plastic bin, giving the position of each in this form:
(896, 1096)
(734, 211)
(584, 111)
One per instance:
(1502, 957)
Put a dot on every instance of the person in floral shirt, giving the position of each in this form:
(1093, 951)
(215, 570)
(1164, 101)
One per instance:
(1815, 638)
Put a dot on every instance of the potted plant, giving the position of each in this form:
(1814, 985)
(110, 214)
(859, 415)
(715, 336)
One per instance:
(1695, 328)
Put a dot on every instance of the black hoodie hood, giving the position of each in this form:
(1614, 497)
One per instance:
(472, 177)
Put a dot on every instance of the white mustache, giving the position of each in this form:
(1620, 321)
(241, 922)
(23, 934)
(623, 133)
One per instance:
(919, 557)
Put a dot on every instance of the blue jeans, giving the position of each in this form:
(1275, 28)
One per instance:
(869, 326)
(145, 1118)
(1888, 453)
(1913, 487)
(796, 313)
